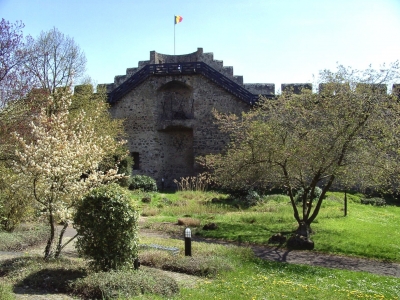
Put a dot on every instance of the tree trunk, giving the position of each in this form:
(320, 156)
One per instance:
(59, 245)
(304, 229)
(47, 251)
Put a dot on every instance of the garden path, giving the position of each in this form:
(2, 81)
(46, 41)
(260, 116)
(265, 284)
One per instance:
(278, 254)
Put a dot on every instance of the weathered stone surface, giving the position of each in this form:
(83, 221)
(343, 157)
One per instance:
(169, 118)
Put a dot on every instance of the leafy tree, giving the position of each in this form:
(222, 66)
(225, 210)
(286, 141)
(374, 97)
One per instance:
(345, 133)
(54, 156)
(55, 60)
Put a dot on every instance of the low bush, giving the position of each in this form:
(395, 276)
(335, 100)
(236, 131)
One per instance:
(15, 203)
(245, 199)
(298, 197)
(125, 284)
(125, 167)
(106, 221)
(376, 201)
(144, 183)
(198, 265)
(6, 292)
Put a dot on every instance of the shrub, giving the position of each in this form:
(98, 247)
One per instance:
(143, 182)
(125, 284)
(107, 223)
(6, 292)
(15, 202)
(246, 198)
(198, 265)
(252, 198)
(376, 201)
(125, 167)
(300, 192)
(146, 199)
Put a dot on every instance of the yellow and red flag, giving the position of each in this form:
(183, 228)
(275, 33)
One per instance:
(178, 19)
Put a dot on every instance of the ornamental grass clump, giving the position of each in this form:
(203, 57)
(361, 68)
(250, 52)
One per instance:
(198, 183)
(107, 225)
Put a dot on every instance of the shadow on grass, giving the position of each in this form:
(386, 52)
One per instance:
(38, 276)
(50, 281)
(242, 233)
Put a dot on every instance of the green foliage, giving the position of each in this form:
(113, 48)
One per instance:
(107, 223)
(247, 198)
(125, 284)
(125, 167)
(346, 134)
(143, 182)
(6, 292)
(15, 202)
(376, 201)
(198, 265)
(299, 195)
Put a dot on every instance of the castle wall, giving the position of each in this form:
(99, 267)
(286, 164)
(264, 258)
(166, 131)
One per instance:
(169, 121)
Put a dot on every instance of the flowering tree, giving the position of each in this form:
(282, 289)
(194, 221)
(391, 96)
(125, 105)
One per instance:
(60, 160)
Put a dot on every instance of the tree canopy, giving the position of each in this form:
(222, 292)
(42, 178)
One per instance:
(345, 133)
(55, 60)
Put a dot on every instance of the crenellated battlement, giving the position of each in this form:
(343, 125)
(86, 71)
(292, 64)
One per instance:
(198, 56)
(265, 89)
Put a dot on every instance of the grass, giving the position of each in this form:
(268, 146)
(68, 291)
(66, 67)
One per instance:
(367, 231)
(23, 237)
(270, 280)
(229, 272)
(238, 275)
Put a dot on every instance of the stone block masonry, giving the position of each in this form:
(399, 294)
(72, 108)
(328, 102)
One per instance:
(167, 103)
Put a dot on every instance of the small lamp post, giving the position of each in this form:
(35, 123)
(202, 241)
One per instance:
(188, 242)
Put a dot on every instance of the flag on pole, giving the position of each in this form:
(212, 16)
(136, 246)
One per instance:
(178, 19)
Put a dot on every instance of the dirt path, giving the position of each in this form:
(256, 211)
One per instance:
(312, 258)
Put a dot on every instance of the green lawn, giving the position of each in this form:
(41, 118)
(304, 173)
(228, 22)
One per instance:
(367, 231)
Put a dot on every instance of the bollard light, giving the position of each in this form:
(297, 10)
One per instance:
(188, 242)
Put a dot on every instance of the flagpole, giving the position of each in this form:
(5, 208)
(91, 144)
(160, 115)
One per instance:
(174, 33)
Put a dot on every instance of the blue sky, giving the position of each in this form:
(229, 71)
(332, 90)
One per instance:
(266, 41)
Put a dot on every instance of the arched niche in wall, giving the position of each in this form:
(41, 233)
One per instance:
(176, 101)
